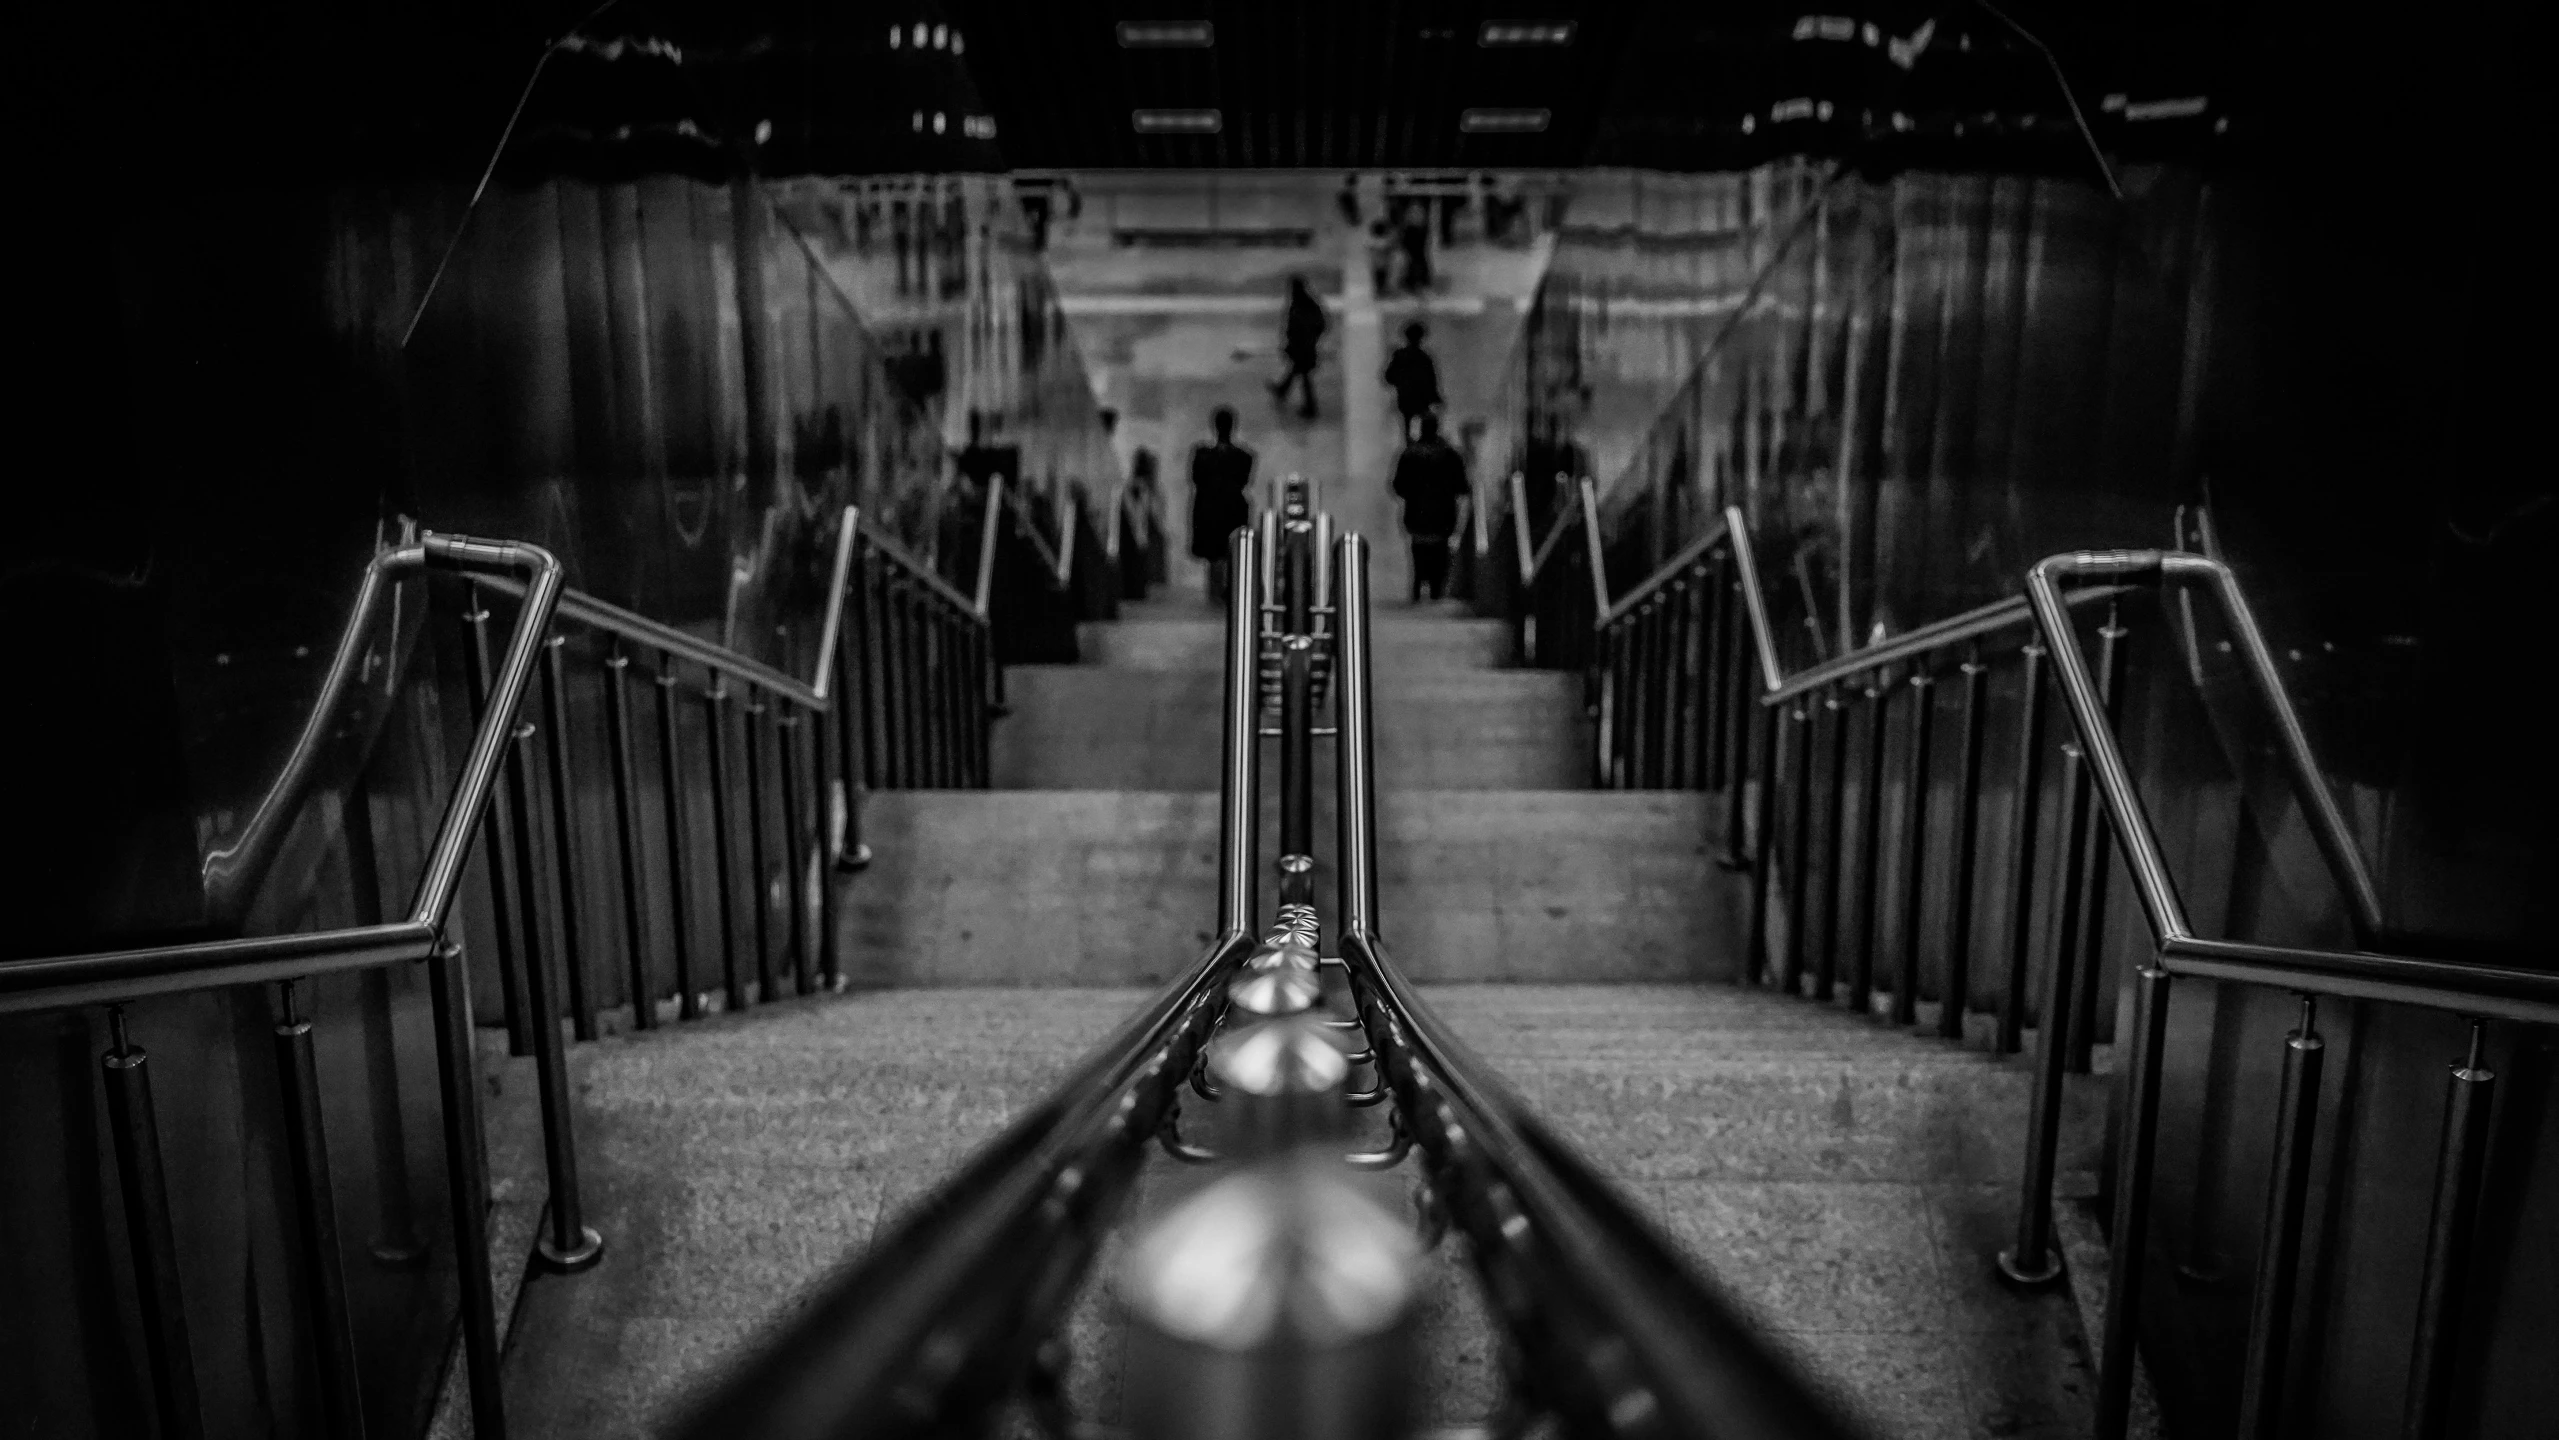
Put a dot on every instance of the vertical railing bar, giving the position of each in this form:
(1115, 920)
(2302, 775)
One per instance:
(795, 847)
(679, 875)
(1870, 843)
(133, 1128)
(2082, 1033)
(617, 725)
(565, 1244)
(2130, 1233)
(505, 908)
(306, 1148)
(564, 845)
(715, 709)
(467, 1187)
(1914, 854)
(2030, 761)
(1959, 912)
(2261, 1387)
(2434, 1357)
(1798, 849)
(1835, 840)
(759, 876)
(395, 1243)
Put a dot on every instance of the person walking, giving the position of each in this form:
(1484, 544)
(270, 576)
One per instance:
(1430, 478)
(1300, 331)
(1414, 377)
(1221, 476)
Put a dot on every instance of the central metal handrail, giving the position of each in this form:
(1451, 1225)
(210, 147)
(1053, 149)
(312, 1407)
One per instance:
(1613, 1330)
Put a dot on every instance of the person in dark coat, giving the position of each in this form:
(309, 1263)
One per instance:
(1221, 476)
(1414, 377)
(1300, 332)
(1430, 478)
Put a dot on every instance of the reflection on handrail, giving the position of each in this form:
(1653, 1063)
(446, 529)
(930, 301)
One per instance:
(1595, 553)
(988, 518)
(233, 873)
(56, 982)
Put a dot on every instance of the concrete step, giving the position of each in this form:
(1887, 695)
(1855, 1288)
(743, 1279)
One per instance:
(1118, 728)
(1076, 887)
(1398, 642)
(733, 1163)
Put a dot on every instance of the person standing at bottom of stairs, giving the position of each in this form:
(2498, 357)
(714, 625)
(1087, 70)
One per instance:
(1221, 476)
(1430, 478)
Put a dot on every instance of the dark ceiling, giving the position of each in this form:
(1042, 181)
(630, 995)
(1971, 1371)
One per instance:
(412, 86)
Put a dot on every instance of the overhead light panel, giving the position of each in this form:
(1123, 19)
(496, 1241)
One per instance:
(1167, 34)
(1503, 122)
(1501, 34)
(1177, 122)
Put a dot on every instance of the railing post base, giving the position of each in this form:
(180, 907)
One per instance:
(2039, 1276)
(582, 1256)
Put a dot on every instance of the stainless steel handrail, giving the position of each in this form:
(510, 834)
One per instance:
(1239, 815)
(2466, 990)
(2328, 823)
(1519, 528)
(630, 625)
(2009, 613)
(917, 570)
(1593, 550)
(1669, 572)
(988, 519)
(848, 531)
(1754, 600)
(234, 873)
(1565, 516)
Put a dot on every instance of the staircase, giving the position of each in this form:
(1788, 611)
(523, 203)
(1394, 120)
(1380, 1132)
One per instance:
(1849, 1181)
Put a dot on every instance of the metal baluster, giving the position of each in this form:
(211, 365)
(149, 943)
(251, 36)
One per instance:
(396, 1245)
(759, 878)
(2082, 1033)
(1604, 711)
(1959, 911)
(679, 875)
(503, 843)
(1662, 750)
(852, 754)
(1914, 849)
(715, 709)
(1799, 836)
(617, 725)
(466, 1182)
(2033, 1261)
(981, 702)
(879, 751)
(2261, 1386)
(2131, 1230)
(795, 850)
(567, 1244)
(1870, 844)
(133, 1127)
(2021, 863)
(898, 696)
(1688, 707)
(950, 716)
(1835, 840)
(2433, 1356)
(830, 965)
(306, 1149)
(1726, 707)
(564, 853)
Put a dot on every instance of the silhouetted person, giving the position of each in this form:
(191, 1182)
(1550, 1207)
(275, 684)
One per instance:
(1430, 478)
(1221, 474)
(1414, 377)
(1301, 330)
